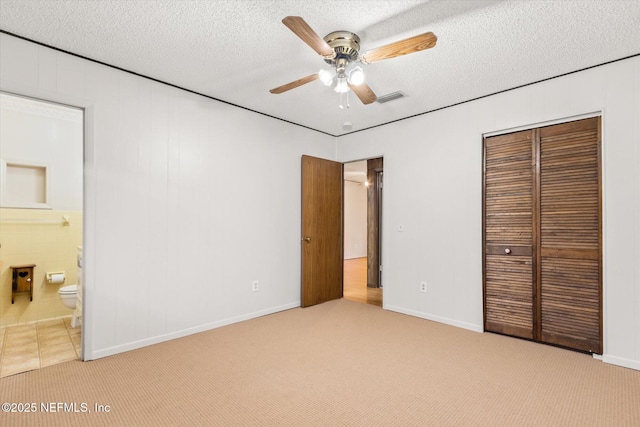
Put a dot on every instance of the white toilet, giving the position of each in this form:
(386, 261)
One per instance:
(69, 296)
(72, 299)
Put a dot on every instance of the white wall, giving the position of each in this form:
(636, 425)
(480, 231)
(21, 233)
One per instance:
(355, 220)
(34, 133)
(433, 187)
(185, 204)
(173, 238)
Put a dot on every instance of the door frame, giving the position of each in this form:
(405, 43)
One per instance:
(302, 237)
(601, 181)
(88, 200)
(379, 213)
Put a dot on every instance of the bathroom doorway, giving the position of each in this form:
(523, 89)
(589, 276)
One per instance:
(41, 223)
(362, 231)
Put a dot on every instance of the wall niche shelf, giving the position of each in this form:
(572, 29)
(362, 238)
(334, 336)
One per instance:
(24, 185)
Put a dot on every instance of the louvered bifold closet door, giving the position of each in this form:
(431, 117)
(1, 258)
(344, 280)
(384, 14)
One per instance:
(508, 237)
(570, 237)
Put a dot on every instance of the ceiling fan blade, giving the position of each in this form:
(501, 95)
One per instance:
(310, 37)
(364, 92)
(294, 84)
(402, 47)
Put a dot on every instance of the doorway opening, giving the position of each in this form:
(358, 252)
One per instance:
(363, 184)
(41, 216)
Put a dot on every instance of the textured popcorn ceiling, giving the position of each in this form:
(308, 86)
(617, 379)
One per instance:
(236, 50)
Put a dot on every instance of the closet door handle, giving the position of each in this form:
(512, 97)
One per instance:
(307, 239)
(507, 251)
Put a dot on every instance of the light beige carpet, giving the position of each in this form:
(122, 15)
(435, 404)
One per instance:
(336, 364)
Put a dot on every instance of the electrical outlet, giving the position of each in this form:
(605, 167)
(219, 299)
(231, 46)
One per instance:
(255, 286)
(423, 286)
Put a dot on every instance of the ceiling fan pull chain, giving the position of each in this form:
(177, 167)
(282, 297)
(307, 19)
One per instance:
(341, 106)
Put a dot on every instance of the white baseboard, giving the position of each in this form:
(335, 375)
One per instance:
(185, 332)
(614, 360)
(439, 319)
(621, 361)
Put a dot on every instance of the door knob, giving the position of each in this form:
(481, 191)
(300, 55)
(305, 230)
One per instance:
(307, 239)
(507, 251)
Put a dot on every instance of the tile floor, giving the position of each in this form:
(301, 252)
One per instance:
(36, 345)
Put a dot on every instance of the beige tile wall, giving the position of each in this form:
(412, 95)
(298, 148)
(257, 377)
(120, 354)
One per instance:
(52, 247)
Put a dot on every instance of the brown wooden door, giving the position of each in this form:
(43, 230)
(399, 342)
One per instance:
(542, 235)
(570, 237)
(374, 167)
(322, 248)
(508, 234)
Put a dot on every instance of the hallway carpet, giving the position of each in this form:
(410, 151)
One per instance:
(336, 364)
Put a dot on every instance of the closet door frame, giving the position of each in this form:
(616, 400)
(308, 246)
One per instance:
(536, 241)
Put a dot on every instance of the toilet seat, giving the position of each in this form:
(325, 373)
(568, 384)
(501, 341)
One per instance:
(69, 289)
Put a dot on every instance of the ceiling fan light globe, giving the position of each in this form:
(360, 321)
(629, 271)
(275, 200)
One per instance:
(341, 86)
(326, 76)
(356, 76)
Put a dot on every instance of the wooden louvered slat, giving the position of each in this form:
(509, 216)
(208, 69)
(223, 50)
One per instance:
(570, 272)
(508, 217)
(570, 303)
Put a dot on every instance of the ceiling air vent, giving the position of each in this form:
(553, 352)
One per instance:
(390, 97)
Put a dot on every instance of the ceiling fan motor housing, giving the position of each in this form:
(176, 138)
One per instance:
(345, 44)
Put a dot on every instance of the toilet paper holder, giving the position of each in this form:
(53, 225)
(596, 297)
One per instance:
(55, 276)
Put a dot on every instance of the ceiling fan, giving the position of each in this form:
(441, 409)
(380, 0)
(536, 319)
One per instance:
(341, 49)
